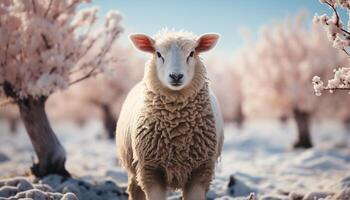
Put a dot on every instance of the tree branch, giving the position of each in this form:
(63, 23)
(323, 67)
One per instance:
(88, 75)
(345, 31)
(335, 12)
(100, 56)
(337, 18)
(34, 6)
(46, 41)
(336, 88)
(347, 53)
(48, 8)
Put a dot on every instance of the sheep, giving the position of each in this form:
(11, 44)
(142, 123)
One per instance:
(170, 130)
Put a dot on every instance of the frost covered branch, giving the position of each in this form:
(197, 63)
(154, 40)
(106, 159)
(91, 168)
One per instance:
(340, 36)
(341, 81)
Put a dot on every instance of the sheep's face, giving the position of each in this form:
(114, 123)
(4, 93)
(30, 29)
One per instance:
(175, 65)
(175, 54)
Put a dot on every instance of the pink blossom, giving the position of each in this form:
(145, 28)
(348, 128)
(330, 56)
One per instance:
(276, 71)
(340, 36)
(49, 45)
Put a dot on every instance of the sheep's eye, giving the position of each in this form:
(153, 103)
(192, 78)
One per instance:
(191, 55)
(160, 56)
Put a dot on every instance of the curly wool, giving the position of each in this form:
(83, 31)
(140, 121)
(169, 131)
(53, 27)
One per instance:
(176, 136)
(169, 138)
(183, 40)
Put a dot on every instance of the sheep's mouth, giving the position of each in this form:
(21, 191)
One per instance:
(176, 84)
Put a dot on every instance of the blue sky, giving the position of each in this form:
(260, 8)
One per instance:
(226, 17)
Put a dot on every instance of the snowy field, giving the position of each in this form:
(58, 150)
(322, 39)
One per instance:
(256, 159)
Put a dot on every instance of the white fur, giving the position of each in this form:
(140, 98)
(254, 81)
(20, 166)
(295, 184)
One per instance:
(175, 61)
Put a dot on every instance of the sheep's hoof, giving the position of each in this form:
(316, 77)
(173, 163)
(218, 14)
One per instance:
(39, 170)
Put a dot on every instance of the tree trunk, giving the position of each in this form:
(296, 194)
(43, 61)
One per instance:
(283, 119)
(302, 120)
(13, 125)
(51, 155)
(347, 124)
(239, 117)
(109, 121)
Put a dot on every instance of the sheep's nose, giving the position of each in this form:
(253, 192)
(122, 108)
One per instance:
(176, 77)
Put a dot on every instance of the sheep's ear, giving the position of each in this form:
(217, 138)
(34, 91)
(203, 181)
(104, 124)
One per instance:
(206, 42)
(143, 42)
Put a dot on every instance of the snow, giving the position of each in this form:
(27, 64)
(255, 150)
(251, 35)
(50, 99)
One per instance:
(256, 159)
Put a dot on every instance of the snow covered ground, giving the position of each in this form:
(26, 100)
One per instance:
(255, 159)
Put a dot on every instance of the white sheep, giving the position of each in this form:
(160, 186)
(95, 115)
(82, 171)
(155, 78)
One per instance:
(170, 129)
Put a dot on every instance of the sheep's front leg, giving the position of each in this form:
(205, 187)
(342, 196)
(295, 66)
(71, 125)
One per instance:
(134, 190)
(198, 185)
(156, 192)
(195, 191)
(152, 183)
